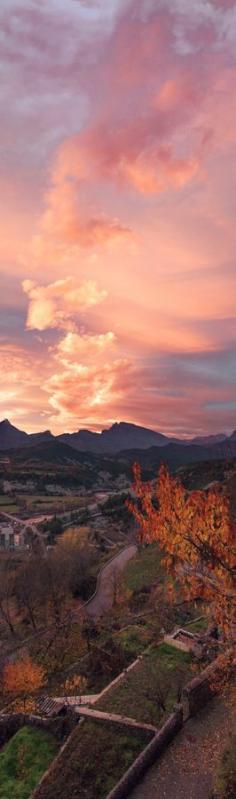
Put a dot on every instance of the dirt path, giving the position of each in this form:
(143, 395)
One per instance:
(185, 770)
(107, 580)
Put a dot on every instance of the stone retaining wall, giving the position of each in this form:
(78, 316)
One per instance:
(202, 688)
(120, 677)
(116, 719)
(169, 639)
(59, 726)
(148, 756)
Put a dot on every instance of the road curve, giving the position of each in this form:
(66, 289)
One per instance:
(103, 598)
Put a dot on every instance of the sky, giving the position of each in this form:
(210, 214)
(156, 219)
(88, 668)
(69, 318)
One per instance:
(118, 201)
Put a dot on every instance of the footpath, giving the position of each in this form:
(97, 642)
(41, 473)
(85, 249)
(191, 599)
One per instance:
(186, 769)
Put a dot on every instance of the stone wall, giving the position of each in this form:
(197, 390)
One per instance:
(124, 722)
(169, 639)
(202, 688)
(148, 756)
(59, 726)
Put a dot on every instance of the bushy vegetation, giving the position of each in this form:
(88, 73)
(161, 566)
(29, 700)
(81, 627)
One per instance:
(23, 761)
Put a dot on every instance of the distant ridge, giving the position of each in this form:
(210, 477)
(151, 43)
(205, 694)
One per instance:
(12, 438)
(119, 437)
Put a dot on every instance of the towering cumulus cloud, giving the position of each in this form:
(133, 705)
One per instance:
(56, 305)
(118, 224)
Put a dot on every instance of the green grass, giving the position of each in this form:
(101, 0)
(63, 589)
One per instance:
(197, 626)
(163, 669)
(95, 759)
(9, 508)
(134, 639)
(60, 499)
(144, 570)
(23, 760)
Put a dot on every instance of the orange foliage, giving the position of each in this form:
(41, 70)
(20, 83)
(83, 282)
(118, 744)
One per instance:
(23, 678)
(197, 538)
(75, 685)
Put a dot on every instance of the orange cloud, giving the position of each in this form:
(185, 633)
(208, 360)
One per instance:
(55, 305)
(86, 392)
(75, 346)
(88, 377)
(22, 398)
(158, 171)
(173, 92)
(69, 219)
(64, 221)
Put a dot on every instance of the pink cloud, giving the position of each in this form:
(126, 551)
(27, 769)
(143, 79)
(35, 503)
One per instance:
(86, 390)
(57, 304)
(76, 346)
(22, 397)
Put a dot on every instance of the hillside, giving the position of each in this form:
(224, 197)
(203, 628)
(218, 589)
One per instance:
(176, 455)
(58, 456)
(48, 452)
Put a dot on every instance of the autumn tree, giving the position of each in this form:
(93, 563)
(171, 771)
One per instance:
(197, 537)
(22, 680)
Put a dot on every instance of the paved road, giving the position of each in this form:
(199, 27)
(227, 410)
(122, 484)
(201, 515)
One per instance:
(186, 769)
(107, 583)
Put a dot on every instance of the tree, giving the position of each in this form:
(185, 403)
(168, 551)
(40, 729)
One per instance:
(27, 590)
(197, 536)
(23, 679)
(7, 594)
(55, 595)
(77, 559)
(59, 648)
(55, 527)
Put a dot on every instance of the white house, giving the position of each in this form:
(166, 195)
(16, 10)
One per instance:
(10, 538)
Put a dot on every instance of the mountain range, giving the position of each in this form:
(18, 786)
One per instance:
(119, 437)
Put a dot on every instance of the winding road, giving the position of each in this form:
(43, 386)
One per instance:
(103, 598)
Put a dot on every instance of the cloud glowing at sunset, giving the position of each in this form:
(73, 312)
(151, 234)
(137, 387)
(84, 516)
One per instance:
(56, 305)
(118, 222)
